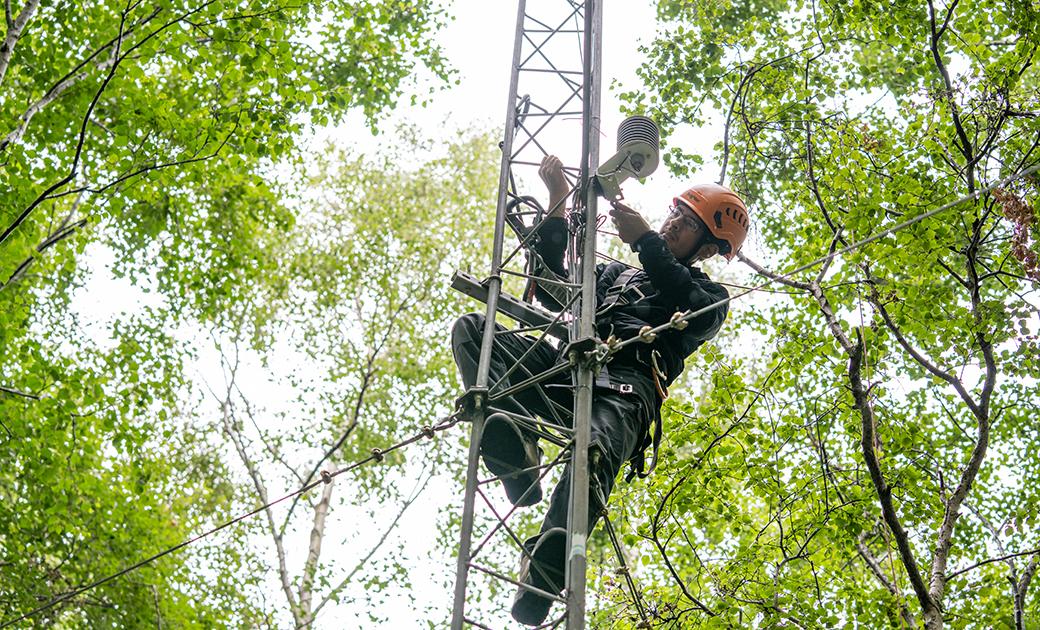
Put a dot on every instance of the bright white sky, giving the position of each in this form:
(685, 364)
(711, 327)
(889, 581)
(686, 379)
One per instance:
(479, 44)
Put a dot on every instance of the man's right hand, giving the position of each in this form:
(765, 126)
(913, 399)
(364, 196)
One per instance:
(551, 172)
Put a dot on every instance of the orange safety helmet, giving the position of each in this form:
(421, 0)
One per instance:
(721, 210)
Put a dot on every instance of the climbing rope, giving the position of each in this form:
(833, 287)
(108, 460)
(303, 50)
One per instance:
(376, 455)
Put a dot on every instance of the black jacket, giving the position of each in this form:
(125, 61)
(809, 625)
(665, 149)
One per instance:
(668, 287)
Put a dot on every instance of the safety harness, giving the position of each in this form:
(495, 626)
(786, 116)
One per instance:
(625, 290)
(622, 292)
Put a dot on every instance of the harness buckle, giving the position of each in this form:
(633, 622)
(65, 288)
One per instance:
(625, 388)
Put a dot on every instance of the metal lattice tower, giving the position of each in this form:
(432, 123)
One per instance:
(555, 79)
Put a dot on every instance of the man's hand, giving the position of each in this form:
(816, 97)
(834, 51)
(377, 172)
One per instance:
(630, 224)
(551, 172)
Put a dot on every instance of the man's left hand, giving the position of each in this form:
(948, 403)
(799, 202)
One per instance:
(630, 224)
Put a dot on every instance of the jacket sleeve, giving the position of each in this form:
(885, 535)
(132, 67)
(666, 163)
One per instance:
(605, 277)
(550, 246)
(684, 288)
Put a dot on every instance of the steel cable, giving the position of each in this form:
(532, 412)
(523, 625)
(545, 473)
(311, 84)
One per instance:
(648, 334)
(326, 477)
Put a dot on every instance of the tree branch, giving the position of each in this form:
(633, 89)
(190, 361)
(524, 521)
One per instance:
(965, 146)
(978, 453)
(1020, 592)
(868, 439)
(359, 401)
(875, 568)
(15, 26)
(15, 135)
(63, 231)
(118, 55)
(15, 392)
(263, 439)
(804, 286)
(744, 80)
(875, 300)
(70, 78)
(310, 566)
(261, 490)
(371, 552)
(656, 520)
(814, 182)
(1031, 552)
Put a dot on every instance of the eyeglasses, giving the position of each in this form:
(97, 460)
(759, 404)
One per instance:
(688, 220)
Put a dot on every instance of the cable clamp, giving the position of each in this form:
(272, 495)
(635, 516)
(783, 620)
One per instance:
(377, 454)
(427, 431)
(606, 348)
(326, 476)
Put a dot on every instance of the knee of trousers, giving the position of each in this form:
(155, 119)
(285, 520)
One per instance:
(468, 328)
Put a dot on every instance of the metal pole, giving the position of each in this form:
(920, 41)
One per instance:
(578, 517)
(494, 289)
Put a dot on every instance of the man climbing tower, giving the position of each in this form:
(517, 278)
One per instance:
(705, 220)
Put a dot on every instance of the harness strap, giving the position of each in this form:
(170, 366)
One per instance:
(620, 292)
(624, 291)
(655, 445)
(638, 461)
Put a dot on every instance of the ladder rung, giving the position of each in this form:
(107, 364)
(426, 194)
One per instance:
(519, 310)
(526, 587)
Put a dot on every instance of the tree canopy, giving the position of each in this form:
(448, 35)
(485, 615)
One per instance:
(873, 467)
(151, 134)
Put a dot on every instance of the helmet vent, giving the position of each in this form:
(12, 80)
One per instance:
(718, 218)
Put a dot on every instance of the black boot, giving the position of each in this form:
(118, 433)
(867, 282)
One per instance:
(549, 551)
(507, 452)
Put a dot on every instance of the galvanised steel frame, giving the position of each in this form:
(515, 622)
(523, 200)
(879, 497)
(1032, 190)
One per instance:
(560, 82)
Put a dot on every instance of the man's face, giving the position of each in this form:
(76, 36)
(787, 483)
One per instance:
(682, 231)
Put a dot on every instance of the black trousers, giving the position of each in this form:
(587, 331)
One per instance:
(618, 425)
